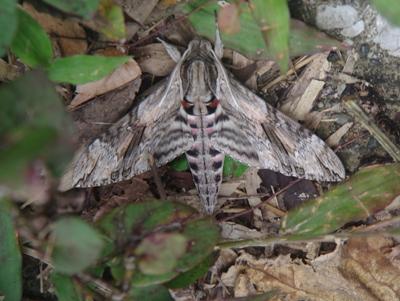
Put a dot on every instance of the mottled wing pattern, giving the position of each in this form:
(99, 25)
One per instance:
(255, 133)
(154, 127)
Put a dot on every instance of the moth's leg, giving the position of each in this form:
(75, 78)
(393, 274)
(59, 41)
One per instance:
(218, 46)
(172, 50)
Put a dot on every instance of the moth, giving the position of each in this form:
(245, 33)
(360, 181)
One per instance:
(202, 111)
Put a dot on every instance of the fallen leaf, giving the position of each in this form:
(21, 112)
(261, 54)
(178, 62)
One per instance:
(98, 114)
(228, 19)
(119, 77)
(154, 59)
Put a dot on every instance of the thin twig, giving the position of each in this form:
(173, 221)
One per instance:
(262, 203)
(355, 110)
(157, 179)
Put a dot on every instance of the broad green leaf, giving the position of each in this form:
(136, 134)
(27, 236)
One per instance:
(158, 253)
(249, 40)
(31, 43)
(272, 17)
(10, 256)
(367, 191)
(233, 168)
(112, 17)
(180, 164)
(390, 9)
(187, 278)
(83, 8)
(150, 293)
(80, 69)
(77, 245)
(65, 288)
(8, 23)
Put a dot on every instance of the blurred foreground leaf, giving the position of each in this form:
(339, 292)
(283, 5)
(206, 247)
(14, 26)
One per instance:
(31, 119)
(8, 23)
(249, 40)
(83, 8)
(77, 245)
(187, 278)
(111, 20)
(367, 191)
(80, 69)
(31, 43)
(166, 219)
(150, 293)
(390, 9)
(65, 288)
(10, 256)
(158, 253)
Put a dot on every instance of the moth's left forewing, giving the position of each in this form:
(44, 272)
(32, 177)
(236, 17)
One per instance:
(257, 134)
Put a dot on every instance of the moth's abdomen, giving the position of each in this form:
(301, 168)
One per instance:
(205, 161)
(206, 167)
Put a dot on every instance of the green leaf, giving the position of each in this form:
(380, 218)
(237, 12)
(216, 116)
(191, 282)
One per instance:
(150, 293)
(80, 69)
(65, 288)
(31, 100)
(8, 23)
(111, 14)
(272, 17)
(187, 278)
(31, 43)
(390, 9)
(179, 164)
(202, 235)
(28, 144)
(10, 256)
(233, 168)
(83, 8)
(158, 253)
(77, 245)
(32, 117)
(249, 40)
(367, 191)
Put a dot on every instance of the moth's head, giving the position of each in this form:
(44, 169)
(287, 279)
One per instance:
(200, 44)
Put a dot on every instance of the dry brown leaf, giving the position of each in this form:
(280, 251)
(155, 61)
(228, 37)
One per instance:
(119, 77)
(102, 111)
(228, 19)
(154, 59)
(231, 231)
(8, 71)
(364, 262)
(363, 270)
(138, 10)
(67, 34)
(302, 95)
(334, 139)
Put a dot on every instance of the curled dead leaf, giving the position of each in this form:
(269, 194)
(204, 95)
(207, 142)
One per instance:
(228, 19)
(119, 77)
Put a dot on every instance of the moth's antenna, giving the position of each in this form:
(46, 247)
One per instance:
(218, 46)
(172, 50)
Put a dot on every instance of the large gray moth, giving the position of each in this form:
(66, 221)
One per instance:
(202, 111)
